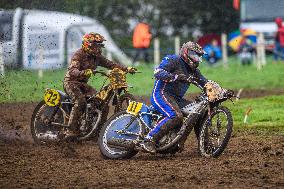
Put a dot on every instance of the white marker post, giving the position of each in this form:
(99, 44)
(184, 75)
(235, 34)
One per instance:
(259, 52)
(177, 44)
(247, 114)
(262, 49)
(156, 51)
(224, 49)
(239, 94)
(40, 60)
(2, 69)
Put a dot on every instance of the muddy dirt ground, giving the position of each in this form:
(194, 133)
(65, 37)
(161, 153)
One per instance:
(250, 161)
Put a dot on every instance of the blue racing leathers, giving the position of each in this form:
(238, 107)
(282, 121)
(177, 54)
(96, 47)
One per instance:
(168, 92)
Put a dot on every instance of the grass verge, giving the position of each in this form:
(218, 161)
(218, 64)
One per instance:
(25, 86)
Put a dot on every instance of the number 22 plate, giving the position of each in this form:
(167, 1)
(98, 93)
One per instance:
(134, 107)
(51, 97)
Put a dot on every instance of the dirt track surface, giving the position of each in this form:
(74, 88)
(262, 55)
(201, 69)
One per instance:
(250, 161)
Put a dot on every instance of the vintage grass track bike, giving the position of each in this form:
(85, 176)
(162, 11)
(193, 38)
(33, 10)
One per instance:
(122, 134)
(51, 115)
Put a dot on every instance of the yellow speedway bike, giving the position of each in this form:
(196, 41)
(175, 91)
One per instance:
(50, 117)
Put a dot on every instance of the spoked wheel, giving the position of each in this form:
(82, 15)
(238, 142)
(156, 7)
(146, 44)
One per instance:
(215, 133)
(41, 129)
(115, 128)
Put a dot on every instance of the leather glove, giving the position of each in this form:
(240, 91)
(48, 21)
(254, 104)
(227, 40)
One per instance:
(213, 90)
(182, 77)
(131, 70)
(88, 73)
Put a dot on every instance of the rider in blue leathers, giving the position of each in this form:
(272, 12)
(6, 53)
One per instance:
(172, 78)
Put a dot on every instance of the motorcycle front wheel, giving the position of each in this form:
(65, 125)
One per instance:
(215, 132)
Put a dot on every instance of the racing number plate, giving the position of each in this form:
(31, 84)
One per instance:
(134, 107)
(51, 97)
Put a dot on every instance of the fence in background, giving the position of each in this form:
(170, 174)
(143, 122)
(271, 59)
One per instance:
(158, 52)
(260, 50)
(2, 69)
(224, 49)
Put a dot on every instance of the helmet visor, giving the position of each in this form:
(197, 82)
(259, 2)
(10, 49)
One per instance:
(97, 45)
(195, 57)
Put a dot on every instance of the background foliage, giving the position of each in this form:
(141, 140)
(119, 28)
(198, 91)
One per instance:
(167, 17)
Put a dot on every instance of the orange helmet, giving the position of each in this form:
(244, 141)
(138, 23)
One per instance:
(92, 43)
(191, 53)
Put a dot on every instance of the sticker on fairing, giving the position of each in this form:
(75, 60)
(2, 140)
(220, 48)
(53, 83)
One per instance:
(134, 107)
(51, 97)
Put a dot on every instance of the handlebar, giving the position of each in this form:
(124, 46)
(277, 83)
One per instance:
(228, 94)
(107, 75)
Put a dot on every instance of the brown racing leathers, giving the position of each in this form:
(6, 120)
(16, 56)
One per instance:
(75, 82)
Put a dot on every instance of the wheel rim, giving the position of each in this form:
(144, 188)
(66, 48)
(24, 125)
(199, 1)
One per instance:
(44, 132)
(118, 124)
(213, 135)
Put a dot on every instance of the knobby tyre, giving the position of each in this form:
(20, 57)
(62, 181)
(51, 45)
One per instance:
(117, 122)
(211, 131)
(39, 127)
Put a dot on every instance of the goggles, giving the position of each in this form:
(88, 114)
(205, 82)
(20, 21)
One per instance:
(96, 45)
(195, 57)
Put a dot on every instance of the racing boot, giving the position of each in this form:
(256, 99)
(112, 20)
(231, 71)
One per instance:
(75, 116)
(73, 130)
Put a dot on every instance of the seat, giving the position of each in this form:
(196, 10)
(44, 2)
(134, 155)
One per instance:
(64, 96)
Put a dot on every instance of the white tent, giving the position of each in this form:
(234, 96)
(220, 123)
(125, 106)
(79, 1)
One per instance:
(50, 38)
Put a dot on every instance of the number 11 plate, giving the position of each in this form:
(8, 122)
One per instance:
(134, 107)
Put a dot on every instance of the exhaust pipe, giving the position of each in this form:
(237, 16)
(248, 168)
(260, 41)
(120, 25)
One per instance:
(121, 143)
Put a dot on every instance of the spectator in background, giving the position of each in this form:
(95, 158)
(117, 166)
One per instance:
(246, 52)
(141, 41)
(279, 40)
(213, 52)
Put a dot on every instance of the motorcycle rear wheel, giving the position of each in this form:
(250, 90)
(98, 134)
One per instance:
(41, 131)
(210, 132)
(118, 122)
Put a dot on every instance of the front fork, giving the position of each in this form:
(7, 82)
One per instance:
(50, 118)
(116, 100)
